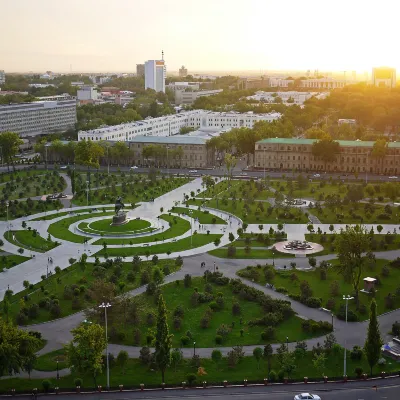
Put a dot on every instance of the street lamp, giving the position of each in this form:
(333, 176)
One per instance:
(194, 349)
(8, 226)
(273, 258)
(191, 227)
(332, 320)
(214, 266)
(287, 343)
(87, 193)
(58, 375)
(167, 162)
(105, 306)
(346, 299)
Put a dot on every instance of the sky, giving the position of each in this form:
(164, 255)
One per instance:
(203, 35)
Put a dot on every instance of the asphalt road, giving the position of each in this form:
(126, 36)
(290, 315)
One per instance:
(385, 390)
(238, 172)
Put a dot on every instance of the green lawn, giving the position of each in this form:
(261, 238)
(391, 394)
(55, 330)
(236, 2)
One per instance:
(176, 294)
(7, 262)
(18, 209)
(60, 214)
(136, 373)
(82, 278)
(322, 288)
(48, 361)
(180, 245)
(378, 243)
(254, 253)
(28, 239)
(60, 229)
(131, 192)
(105, 225)
(178, 226)
(204, 217)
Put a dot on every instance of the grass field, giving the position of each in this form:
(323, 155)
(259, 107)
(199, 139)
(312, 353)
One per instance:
(176, 294)
(74, 275)
(59, 214)
(180, 245)
(203, 217)
(178, 226)
(254, 253)
(7, 262)
(322, 288)
(136, 373)
(104, 225)
(27, 239)
(60, 229)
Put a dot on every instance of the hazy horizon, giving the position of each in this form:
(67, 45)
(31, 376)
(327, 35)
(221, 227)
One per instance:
(257, 36)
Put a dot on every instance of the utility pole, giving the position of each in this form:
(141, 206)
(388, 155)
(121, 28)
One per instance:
(346, 299)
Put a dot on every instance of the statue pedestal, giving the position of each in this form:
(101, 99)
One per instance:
(120, 218)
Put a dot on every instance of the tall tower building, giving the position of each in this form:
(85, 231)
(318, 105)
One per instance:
(183, 72)
(154, 74)
(384, 76)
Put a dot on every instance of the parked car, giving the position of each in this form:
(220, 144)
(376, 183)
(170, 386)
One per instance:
(317, 176)
(134, 167)
(63, 167)
(243, 173)
(392, 177)
(193, 171)
(307, 396)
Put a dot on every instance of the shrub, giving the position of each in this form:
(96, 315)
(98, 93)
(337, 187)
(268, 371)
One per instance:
(313, 302)
(272, 376)
(281, 375)
(205, 322)
(150, 319)
(223, 331)
(187, 281)
(330, 304)
(55, 310)
(185, 340)
(281, 290)
(236, 309)
(356, 353)
(151, 288)
(396, 329)
(46, 385)
(334, 288)
(78, 382)
(385, 271)
(145, 355)
(179, 312)
(351, 316)
(177, 323)
(268, 333)
(358, 371)
(76, 304)
(191, 378)
(218, 339)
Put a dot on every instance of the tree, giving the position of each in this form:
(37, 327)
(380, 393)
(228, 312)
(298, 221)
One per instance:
(288, 363)
(230, 163)
(258, 353)
(374, 342)
(379, 150)
(312, 261)
(163, 339)
(122, 359)
(9, 143)
(351, 244)
(319, 363)
(176, 357)
(326, 149)
(88, 153)
(17, 349)
(216, 356)
(231, 237)
(268, 351)
(86, 349)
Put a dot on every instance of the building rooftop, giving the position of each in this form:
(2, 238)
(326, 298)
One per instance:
(350, 143)
(176, 139)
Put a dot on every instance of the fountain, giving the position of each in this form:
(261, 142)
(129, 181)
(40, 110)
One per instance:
(297, 245)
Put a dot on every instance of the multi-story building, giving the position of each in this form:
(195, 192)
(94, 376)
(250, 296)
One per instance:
(183, 86)
(353, 156)
(384, 77)
(39, 117)
(154, 75)
(170, 125)
(325, 83)
(2, 77)
(193, 152)
(87, 94)
(183, 72)
(139, 69)
(290, 97)
(189, 97)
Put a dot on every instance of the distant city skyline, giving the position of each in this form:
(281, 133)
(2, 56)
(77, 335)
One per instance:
(205, 36)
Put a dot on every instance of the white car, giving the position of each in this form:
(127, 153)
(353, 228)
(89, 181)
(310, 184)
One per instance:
(317, 176)
(392, 177)
(64, 167)
(307, 396)
(243, 173)
(134, 167)
(193, 171)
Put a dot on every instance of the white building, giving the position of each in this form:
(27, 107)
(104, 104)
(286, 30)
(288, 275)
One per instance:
(326, 83)
(2, 77)
(154, 75)
(41, 85)
(171, 124)
(39, 117)
(279, 82)
(384, 76)
(189, 97)
(183, 85)
(347, 121)
(99, 80)
(288, 98)
(87, 94)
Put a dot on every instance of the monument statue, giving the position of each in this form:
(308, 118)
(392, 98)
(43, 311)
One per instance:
(120, 217)
(119, 205)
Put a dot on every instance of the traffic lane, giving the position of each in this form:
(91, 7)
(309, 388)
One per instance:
(349, 391)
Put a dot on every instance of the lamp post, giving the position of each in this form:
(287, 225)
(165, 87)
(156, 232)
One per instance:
(346, 299)
(273, 258)
(8, 226)
(194, 349)
(58, 375)
(287, 344)
(46, 154)
(105, 306)
(167, 162)
(87, 193)
(214, 266)
(332, 320)
(191, 227)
